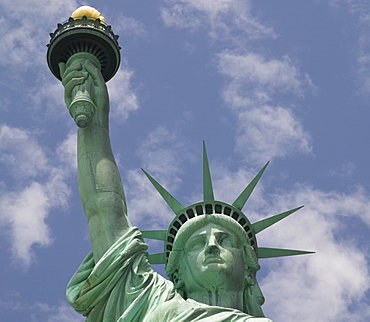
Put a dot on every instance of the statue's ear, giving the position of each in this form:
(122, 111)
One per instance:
(248, 277)
(177, 280)
(251, 265)
(251, 258)
(178, 283)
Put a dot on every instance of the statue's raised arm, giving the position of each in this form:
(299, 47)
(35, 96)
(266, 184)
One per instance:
(99, 181)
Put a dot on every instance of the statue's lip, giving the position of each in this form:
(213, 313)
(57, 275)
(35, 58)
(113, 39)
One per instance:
(213, 259)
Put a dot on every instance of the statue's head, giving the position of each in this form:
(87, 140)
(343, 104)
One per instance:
(212, 244)
(212, 251)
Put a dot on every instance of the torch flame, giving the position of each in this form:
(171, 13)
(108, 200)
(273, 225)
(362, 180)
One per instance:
(89, 12)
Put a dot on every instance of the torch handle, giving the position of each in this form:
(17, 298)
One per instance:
(82, 107)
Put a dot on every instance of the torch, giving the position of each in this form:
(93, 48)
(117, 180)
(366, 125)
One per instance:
(85, 35)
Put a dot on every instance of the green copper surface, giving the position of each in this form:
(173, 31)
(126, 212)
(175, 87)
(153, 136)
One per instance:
(243, 197)
(81, 107)
(157, 258)
(265, 223)
(154, 234)
(207, 181)
(171, 201)
(265, 252)
(84, 35)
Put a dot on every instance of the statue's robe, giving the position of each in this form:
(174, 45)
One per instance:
(123, 287)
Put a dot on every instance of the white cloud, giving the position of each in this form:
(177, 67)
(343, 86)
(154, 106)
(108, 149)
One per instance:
(21, 154)
(38, 311)
(269, 132)
(229, 20)
(123, 99)
(25, 211)
(323, 286)
(67, 152)
(344, 171)
(65, 313)
(47, 97)
(24, 206)
(162, 154)
(56, 313)
(128, 26)
(264, 131)
(253, 79)
(23, 35)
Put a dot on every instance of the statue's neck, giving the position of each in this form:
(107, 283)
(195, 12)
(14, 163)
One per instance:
(219, 297)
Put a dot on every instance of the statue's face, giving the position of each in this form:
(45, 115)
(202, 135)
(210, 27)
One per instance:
(213, 258)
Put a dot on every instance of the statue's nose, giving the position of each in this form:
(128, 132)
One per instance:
(213, 249)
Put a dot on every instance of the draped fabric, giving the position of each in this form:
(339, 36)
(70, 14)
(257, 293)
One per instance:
(122, 286)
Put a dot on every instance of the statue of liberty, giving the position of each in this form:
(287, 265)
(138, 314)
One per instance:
(210, 248)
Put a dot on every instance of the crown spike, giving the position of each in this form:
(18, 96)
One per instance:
(265, 252)
(171, 201)
(154, 234)
(243, 197)
(157, 258)
(207, 181)
(265, 223)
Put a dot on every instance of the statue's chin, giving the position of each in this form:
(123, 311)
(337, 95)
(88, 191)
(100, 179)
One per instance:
(215, 267)
(213, 275)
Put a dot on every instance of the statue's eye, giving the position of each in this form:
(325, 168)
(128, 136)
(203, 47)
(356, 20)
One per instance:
(195, 245)
(227, 241)
(199, 244)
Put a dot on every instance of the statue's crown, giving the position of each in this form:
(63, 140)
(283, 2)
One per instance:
(210, 206)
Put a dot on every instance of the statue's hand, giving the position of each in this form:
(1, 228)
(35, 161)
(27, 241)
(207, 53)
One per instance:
(78, 73)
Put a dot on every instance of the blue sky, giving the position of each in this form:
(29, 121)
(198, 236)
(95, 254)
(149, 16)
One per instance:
(285, 81)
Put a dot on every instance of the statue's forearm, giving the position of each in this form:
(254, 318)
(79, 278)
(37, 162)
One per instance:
(100, 188)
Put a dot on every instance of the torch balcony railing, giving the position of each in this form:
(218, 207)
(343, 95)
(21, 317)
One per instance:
(85, 22)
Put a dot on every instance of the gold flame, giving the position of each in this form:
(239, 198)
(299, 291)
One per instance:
(89, 12)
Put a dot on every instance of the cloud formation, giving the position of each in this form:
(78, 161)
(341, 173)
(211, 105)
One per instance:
(226, 20)
(128, 26)
(22, 41)
(39, 186)
(162, 155)
(265, 131)
(269, 132)
(253, 82)
(328, 285)
(122, 97)
(38, 311)
(254, 79)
